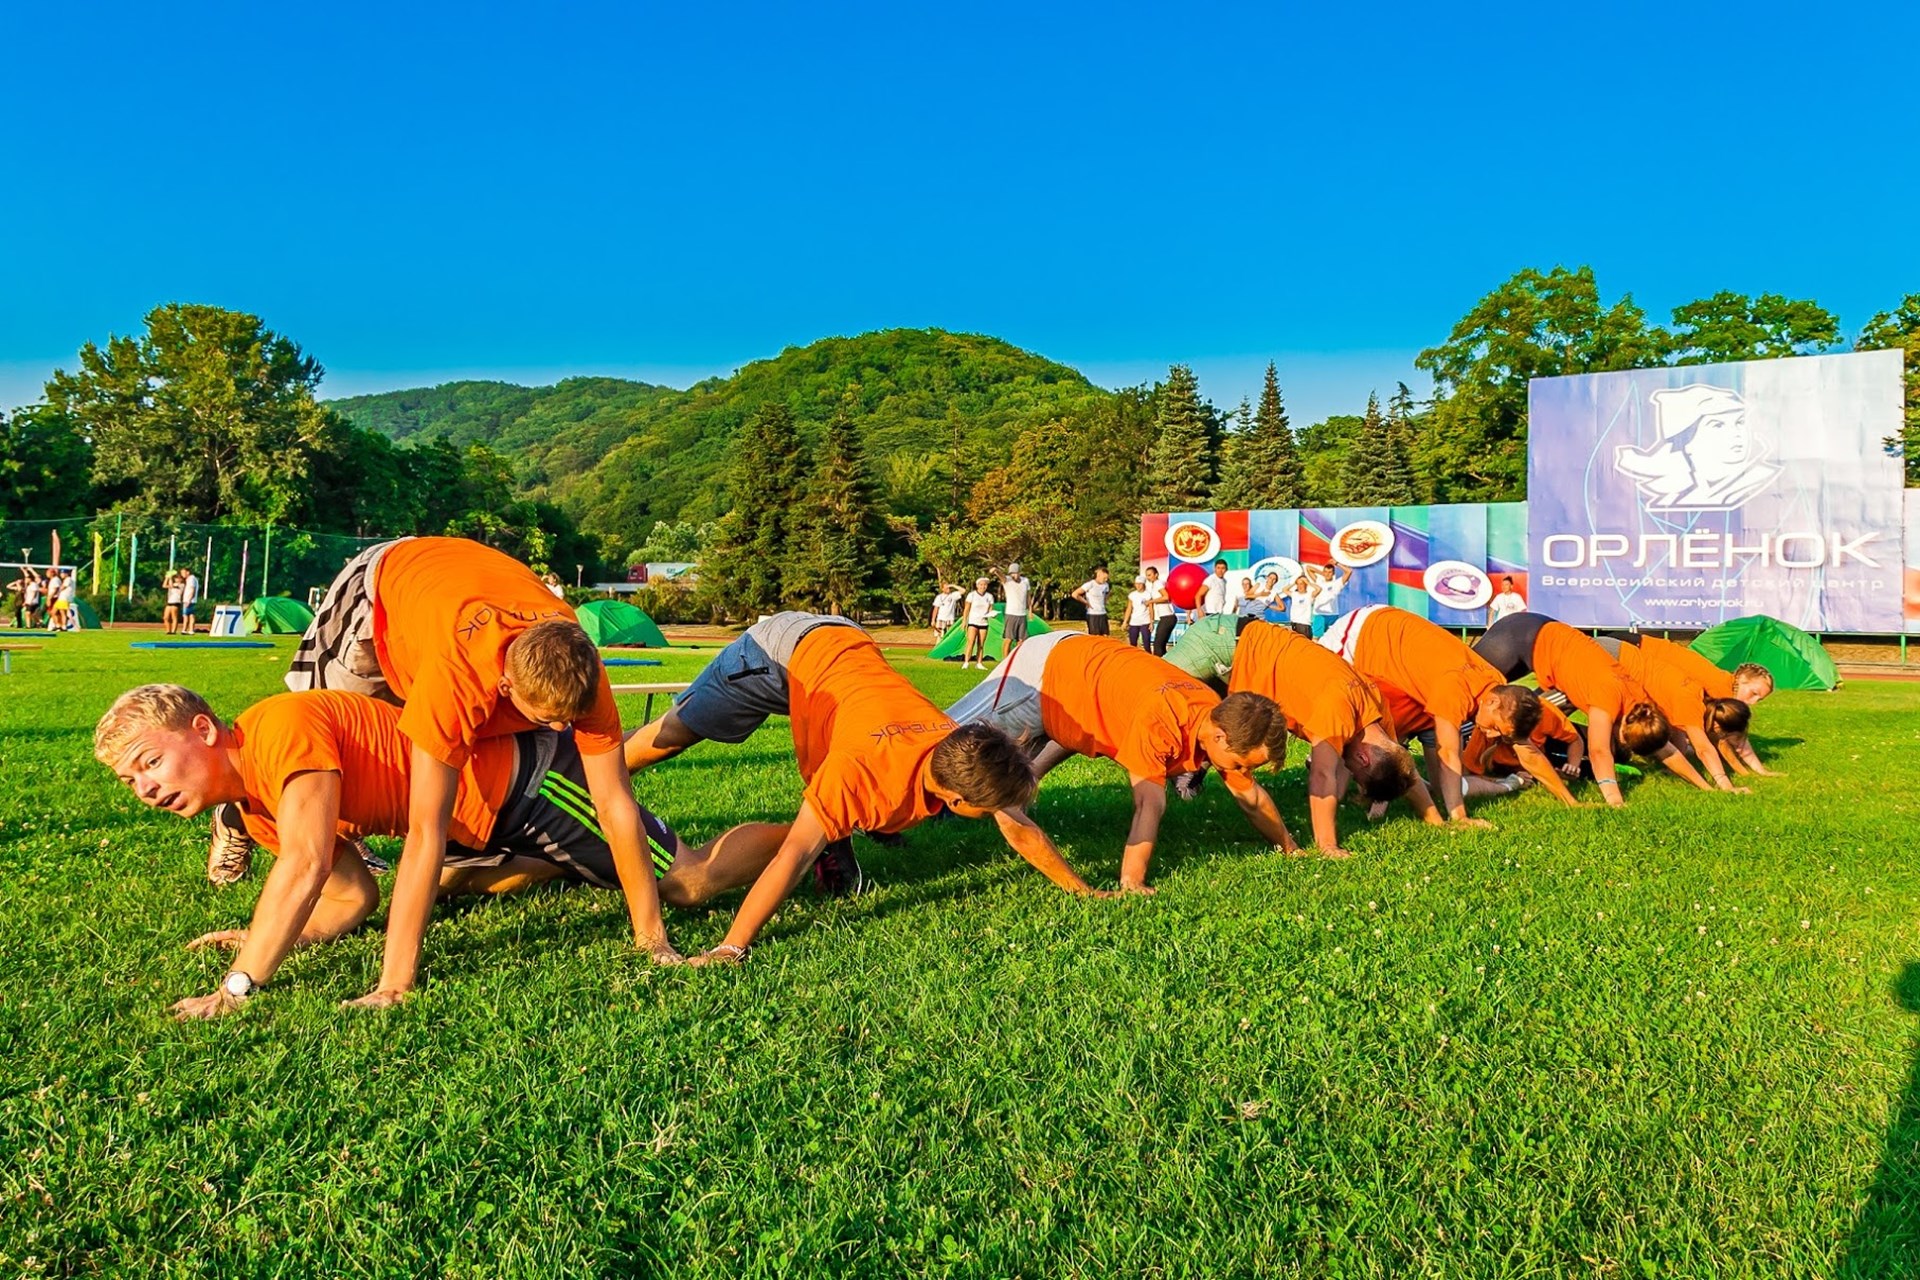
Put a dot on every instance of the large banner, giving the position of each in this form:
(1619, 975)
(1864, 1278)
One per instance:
(1442, 562)
(1686, 496)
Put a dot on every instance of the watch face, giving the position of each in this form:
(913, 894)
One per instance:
(237, 984)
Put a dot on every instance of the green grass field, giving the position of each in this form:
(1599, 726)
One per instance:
(1675, 1041)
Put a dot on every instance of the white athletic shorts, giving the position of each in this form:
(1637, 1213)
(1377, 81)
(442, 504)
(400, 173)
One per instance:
(1009, 697)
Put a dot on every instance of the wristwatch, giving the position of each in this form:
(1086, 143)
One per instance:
(238, 985)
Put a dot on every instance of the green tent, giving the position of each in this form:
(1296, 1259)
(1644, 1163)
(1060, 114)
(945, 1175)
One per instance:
(1205, 649)
(276, 616)
(615, 622)
(89, 620)
(1795, 658)
(954, 643)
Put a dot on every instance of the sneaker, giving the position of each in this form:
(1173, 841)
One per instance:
(837, 872)
(231, 853)
(375, 863)
(886, 839)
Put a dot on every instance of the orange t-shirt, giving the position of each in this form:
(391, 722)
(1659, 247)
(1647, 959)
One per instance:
(1571, 662)
(1696, 667)
(359, 738)
(1425, 662)
(1323, 699)
(1480, 753)
(445, 610)
(1101, 697)
(1680, 700)
(863, 735)
(1405, 716)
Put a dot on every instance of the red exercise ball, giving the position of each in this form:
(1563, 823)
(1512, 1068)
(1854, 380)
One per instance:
(1183, 584)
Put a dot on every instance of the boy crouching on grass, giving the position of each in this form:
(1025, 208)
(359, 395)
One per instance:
(875, 755)
(310, 773)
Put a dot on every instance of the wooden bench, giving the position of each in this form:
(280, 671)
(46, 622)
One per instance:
(6, 655)
(669, 687)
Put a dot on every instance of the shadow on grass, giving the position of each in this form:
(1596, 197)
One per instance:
(1886, 1237)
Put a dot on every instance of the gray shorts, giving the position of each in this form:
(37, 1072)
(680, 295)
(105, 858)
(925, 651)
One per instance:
(1009, 697)
(747, 681)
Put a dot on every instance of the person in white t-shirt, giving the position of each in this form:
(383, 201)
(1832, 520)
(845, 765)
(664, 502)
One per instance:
(1164, 618)
(1300, 597)
(189, 597)
(979, 607)
(1140, 616)
(1016, 589)
(1330, 582)
(946, 607)
(1506, 603)
(1213, 593)
(1093, 594)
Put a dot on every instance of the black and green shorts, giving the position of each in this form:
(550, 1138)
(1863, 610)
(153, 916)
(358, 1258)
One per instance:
(549, 815)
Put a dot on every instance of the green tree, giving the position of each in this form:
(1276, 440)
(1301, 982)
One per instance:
(1376, 473)
(1234, 492)
(1536, 324)
(46, 465)
(842, 555)
(1403, 432)
(207, 415)
(1275, 481)
(1732, 326)
(1180, 469)
(1899, 329)
(746, 567)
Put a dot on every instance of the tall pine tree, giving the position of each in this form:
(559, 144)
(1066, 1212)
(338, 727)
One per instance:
(1399, 482)
(1235, 491)
(1377, 473)
(1277, 481)
(755, 547)
(841, 561)
(1180, 470)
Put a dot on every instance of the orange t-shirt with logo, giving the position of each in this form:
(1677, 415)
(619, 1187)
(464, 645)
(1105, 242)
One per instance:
(1480, 753)
(1100, 697)
(1680, 700)
(445, 610)
(1571, 662)
(1322, 698)
(863, 735)
(1696, 667)
(359, 738)
(1426, 663)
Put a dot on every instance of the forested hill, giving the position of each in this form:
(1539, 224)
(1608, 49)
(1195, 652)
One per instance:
(619, 455)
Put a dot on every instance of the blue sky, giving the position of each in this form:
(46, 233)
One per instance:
(417, 193)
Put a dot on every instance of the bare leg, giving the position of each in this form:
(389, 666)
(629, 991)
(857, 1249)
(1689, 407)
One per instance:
(510, 876)
(731, 860)
(664, 739)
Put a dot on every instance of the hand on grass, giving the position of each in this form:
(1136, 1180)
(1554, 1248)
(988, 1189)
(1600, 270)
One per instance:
(213, 1005)
(1142, 889)
(225, 939)
(378, 998)
(1740, 791)
(1098, 893)
(722, 954)
(1336, 853)
(659, 950)
(1477, 824)
(1571, 768)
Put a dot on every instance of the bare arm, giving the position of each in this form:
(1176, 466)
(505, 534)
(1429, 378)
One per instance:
(309, 810)
(1600, 750)
(612, 791)
(1709, 758)
(805, 839)
(416, 881)
(1323, 796)
(1149, 804)
(1448, 769)
(1732, 757)
(1679, 766)
(1535, 762)
(1033, 844)
(1260, 810)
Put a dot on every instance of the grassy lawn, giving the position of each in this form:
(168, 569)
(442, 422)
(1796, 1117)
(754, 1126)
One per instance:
(1680, 1040)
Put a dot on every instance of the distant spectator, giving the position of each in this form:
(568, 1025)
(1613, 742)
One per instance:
(30, 594)
(1328, 585)
(554, 585)
(1214, 593)
(1016, 589)
(946, 607)
(1140, 616)
(1253, 602)
(189, 597)
(1093, 594)
(1164, 618)
(63, 616)
(1507, 602)
(17, 596)
(1300, 598)
(979, 606)
(170, 620)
